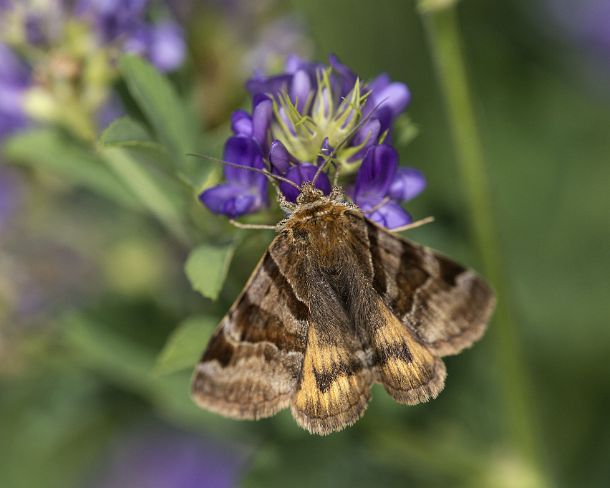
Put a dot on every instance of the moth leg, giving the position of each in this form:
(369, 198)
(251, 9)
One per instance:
(377, 207)
(287, 206)
(241, 225)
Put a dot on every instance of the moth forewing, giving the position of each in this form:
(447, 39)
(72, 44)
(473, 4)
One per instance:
(336, 304)
(446, 304)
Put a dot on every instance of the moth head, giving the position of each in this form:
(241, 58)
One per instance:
(309, 193)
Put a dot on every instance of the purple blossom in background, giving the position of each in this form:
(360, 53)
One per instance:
(119, 23)
(587, 21)
(66, 66)
(312, 112)
(168, 49)
(14, 80)
(278, 40)
(112, 18)
(167, 458)
(123, 21)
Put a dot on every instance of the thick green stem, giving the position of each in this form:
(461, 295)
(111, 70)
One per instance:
(443, 34)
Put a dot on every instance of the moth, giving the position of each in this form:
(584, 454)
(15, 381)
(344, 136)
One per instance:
(336, 304)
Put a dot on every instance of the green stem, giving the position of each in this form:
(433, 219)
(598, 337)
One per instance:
(440, 20)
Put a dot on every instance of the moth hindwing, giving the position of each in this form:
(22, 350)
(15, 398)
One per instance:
(335, 304)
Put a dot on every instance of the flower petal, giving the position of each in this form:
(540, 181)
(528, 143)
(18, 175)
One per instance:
(246, 152)
(280, 158)
(375, 174)
(407, 184)
(395, 95)
(230, 200)
(167, 48)
(391, 215)
(379, 83)
(295, 63)
(300, 89)
(14, 79)
(12, 70)
(261, 119)
(346, 77)
(300, 174)
(271, 85)
(369, 133)
(241, 123)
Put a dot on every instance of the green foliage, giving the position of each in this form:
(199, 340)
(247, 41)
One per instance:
(207, 266)
(172, 123)
(52, 151)
(183, 348)
(126, 132)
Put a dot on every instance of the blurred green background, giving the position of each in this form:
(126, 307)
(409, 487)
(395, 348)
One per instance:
(92, 287)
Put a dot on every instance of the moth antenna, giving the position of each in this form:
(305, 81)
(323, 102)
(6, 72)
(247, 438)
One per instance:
(240, 225)
(413, 225)
(265, 172)
(336, 175)
(351, 133)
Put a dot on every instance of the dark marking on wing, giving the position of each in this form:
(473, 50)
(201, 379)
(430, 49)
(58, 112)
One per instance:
(298, 309)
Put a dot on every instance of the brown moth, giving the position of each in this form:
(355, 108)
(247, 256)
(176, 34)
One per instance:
(336, 304)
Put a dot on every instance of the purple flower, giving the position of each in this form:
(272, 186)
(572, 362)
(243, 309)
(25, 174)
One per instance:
(277, 40)
(245, 191)
(14, 80)
(163, 44)
(112, 18)
(303, 173)
(284, 164)
(381, 186)
(311, 113)
(168, 458)
(118, 20)
(586, 22)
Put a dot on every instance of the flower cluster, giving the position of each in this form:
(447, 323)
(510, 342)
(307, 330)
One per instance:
(69, 51)
(311, 115)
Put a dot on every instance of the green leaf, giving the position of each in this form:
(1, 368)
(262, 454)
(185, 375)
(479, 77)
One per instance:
(143, 183)
(126, 132)
(52, 151)
(183, 348)
(207, 266)
(171, 120)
